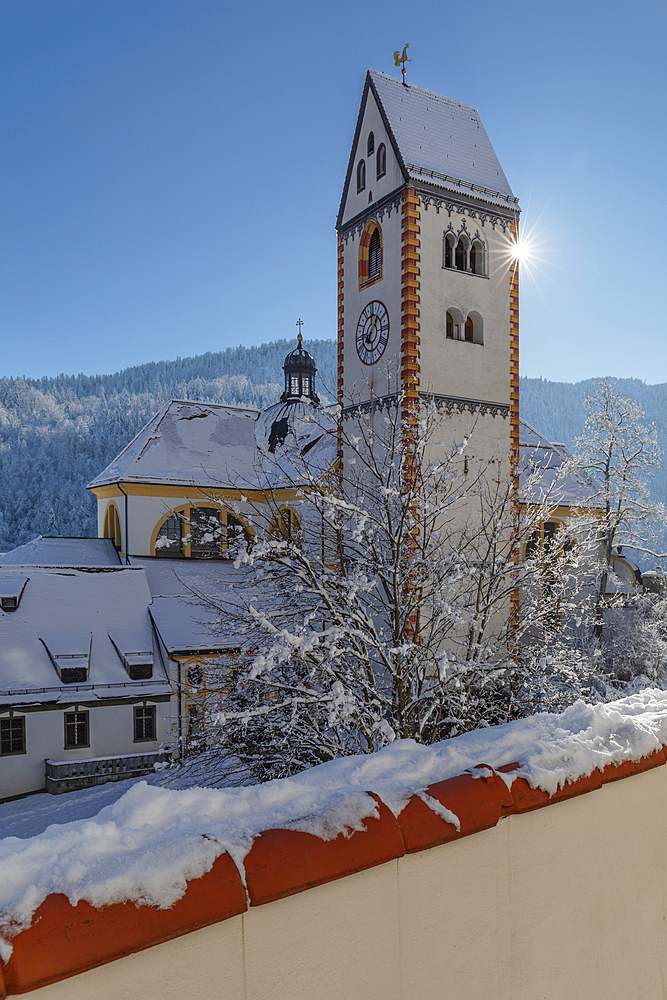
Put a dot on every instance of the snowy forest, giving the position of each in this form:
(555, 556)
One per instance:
(57, 433)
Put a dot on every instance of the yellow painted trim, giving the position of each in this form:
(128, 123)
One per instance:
(194, 493)
(185, 510)
(117, 537)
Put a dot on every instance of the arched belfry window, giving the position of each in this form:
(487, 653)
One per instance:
(460, 256)
(477, 257)
(370, 146)
(381, 160)
(361, 175)
(370, 254)
(448, 250)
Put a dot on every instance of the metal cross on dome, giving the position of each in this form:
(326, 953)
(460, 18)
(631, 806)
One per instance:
(299, 323)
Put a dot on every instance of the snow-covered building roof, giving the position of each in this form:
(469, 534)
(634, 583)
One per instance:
(437, 140)
(436, 133)
(77, 633)
(186, 622)
(209, 445)
(543, 476)
(63, 552)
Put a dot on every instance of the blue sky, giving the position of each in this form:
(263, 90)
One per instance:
(171, 169)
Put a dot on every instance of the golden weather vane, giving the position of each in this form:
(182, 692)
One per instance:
(299, 323)
(400, 60)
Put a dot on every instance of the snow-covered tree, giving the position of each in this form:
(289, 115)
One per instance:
(388, 610)
(622, 454)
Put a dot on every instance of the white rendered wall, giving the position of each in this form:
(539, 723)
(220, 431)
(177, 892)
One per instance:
(455, 367)
(111, 733)
(567, 901)
(363, 381)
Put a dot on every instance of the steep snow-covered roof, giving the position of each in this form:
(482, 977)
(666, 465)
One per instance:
(63, 552)
(436, 133)
(542, 476)
(72, 613)
(210, 445)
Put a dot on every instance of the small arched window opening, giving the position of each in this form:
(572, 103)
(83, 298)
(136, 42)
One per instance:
(375, 255)
(370, 145)
(477, 258)
(381, 160)
(460, 256)
(112, 527)
(469, 330)
(477, 328)
(361, 175)
(448, 248)
(450, 326)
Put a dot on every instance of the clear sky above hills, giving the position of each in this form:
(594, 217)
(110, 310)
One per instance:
(171, 169)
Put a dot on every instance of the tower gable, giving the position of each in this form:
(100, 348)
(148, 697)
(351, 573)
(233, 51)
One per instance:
(379, 183)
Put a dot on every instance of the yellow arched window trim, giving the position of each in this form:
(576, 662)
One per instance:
(112, 525)
(184, 511)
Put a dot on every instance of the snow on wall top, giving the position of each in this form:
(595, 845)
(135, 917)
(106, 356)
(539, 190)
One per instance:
(61, 609)
(209, 445)
(543, 475)
(436, 133)
(146, 845)
(63, 552)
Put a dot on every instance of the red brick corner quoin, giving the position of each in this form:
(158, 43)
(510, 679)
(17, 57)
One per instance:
(64, 940)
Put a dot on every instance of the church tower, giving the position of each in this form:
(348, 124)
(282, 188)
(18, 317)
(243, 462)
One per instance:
(427, 286)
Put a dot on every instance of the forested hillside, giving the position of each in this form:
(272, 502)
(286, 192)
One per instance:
(56, 434)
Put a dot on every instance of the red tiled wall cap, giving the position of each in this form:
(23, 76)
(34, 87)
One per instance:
(64, 940)
(478, 801)
(283, 862)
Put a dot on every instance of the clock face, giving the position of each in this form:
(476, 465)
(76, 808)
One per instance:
(372, 332)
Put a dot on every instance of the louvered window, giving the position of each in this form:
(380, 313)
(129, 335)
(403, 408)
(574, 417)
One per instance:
(375, 255)
(294, 385)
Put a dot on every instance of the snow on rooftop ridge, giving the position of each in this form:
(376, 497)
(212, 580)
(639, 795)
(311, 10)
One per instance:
(146, 845)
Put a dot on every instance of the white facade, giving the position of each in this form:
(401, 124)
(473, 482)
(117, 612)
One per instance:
(81, 674)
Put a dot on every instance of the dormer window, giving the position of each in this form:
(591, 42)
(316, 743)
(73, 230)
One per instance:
(137, 663)
(381, 160)
(361, 175)
(370, 146)
(11, 589)
(70, 655)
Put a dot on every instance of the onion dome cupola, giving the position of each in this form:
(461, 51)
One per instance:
(300, 370)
